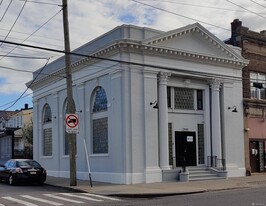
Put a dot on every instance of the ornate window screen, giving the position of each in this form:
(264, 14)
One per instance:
(100, 122)
(47, 114)
(184, 98)
(201, 149)
(47, 131)
(100, 102)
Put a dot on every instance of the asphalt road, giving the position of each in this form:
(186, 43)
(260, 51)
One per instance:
(241, 197)
(33, 195)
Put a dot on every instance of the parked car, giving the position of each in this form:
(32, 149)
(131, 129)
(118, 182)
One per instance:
(22, 170)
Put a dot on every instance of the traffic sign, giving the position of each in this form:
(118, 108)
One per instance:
(72, 123)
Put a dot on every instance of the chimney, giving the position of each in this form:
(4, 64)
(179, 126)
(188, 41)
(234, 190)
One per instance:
(235, 24)
(234, 28)
(26, 106)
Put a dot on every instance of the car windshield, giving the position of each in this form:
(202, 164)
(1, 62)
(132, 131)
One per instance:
(29, 163)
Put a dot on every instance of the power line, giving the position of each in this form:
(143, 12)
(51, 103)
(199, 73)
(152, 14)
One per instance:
(17, 70)
(246, 9)
(258, 3)
(38, 2)
(28, 86)
(6, 10)
(16, 20)
(196, 5)
(27, 71)
(45, 37)
(24, 96)
(35, 31)
(203, 22)
(22, 57)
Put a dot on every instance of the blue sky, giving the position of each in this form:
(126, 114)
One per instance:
(40, 24)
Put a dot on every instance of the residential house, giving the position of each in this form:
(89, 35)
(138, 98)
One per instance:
(12, 142)
(151, 105)
(253, 46)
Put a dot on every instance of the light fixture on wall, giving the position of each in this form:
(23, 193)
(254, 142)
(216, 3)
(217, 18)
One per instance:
(154, 104)
(233, 108)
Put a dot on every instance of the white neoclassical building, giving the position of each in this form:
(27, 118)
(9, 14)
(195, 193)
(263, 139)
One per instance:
(165, 100)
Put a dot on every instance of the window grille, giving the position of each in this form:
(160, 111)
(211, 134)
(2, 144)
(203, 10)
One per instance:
(184, 98)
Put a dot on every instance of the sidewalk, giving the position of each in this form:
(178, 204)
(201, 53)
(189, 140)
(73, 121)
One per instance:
(160, 189)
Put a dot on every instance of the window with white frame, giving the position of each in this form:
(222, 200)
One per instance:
(185, 98)
(47, 130)
(257, 83)
(99, 122)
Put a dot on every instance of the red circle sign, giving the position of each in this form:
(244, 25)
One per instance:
(72, 121)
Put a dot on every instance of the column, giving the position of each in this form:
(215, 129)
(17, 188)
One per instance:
(163, 121)
(216, 118)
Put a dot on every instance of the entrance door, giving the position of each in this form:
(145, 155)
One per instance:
(185, 148)
(254, 156)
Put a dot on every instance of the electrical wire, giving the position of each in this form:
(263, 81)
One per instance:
(246, 9)
(24, 96)
(180, 15)
(20, 12)
(38, 2)
(27, 71)
(258, 3)
(28, 86)
(22, 57)
(44, 37)
(35, 31)
(6, 10)
(196, 5)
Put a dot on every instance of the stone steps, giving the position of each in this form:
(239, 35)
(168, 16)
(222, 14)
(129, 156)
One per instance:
(202, 173)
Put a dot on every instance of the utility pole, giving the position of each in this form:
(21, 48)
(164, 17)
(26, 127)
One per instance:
(70, 102)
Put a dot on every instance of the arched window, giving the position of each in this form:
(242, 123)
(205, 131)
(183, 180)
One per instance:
(100, 100)
(99, 122)
(47, 114)
(47, 131)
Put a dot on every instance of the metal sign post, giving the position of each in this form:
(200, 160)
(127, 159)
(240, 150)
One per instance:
(88, 163)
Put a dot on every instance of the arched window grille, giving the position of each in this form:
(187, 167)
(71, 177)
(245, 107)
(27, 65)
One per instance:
(99, 122)
(47, 131)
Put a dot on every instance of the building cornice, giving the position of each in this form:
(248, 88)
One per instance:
(137, 46)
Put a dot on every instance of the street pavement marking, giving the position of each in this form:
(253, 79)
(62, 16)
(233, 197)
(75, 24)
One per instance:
(100, 196)
(41, 200)
(82, 197)
(19, 201)
(62, 198)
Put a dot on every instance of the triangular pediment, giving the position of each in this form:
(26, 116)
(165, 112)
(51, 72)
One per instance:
(194, 39)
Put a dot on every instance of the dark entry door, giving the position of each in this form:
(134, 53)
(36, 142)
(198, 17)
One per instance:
(185, 148)
(254, 156)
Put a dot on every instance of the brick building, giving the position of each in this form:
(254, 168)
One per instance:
(253, 46)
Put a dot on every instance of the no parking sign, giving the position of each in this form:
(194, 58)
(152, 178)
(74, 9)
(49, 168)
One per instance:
(72, 123)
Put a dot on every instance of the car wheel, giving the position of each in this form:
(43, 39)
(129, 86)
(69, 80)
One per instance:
(11, 180)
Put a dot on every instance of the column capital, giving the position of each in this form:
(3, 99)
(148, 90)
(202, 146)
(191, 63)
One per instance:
(163, 77)
(215, 84)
